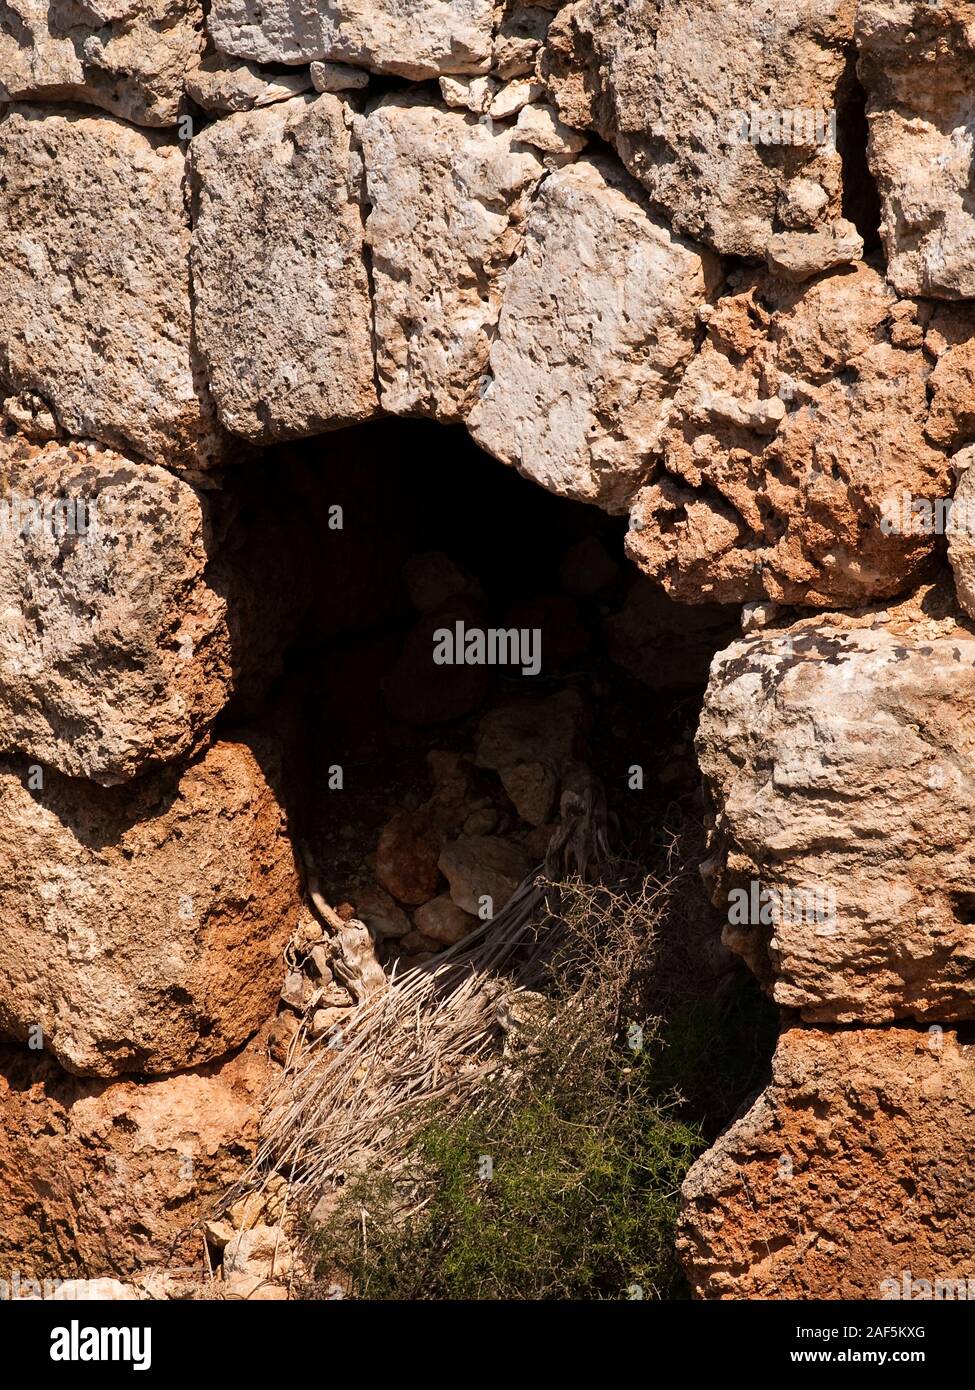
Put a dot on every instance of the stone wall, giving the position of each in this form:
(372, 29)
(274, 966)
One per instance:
(622, 242)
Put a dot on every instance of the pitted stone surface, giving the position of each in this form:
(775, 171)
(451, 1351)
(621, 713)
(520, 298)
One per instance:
(129, 57)
(597, 324)
(917, 63)
(144, 925)
(419, 39)
(448, 197)
(808, 415)
(839, 754)
(95, 293)
(283, 315)
(719, 110)
(849, 1177)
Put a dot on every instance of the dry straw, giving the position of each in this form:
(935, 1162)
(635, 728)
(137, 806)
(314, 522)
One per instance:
(430, 1034)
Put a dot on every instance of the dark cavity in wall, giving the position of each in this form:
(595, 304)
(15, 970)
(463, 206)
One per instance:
(555, 654)
(861, 201)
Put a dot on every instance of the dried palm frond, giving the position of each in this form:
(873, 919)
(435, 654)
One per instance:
(429, 1033)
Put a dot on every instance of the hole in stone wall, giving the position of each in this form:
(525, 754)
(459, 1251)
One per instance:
(415, 786)
(963, 906)
(861, 200)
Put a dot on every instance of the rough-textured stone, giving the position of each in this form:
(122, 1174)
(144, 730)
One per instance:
(961, 532)
(129, 58)
(540, 127)
(417, 690)
(469, 93)
(417, 40)
(284, 31)
(132, 609)
(838, 754)
(448, 198)
(671, 84)
(337, 77)
(852, 1169)
(114, 647)
(520, 31)
(528, 743)
(950, 341)
(597, 324)
(95, 1290)
(665, 644)
(804, 414)
(406, 857)
(798, 255)
(917, 62)
(482, 866)
(219, 84)
(260, 1253)
(94, 296)
(283, 315)
(443, 921)
(144, 925)
(513, 97)
(783, 427)
(98, 1179)
(381, 914)
(455, 796)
